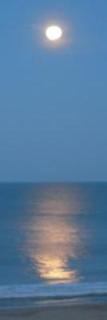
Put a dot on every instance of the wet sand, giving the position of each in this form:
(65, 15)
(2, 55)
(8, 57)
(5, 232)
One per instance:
(73, 312)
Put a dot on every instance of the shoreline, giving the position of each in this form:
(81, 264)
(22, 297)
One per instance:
(68, 301)
(32, 303)
(96, 311)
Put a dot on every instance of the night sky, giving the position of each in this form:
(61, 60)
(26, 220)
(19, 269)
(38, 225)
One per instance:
(53, 100)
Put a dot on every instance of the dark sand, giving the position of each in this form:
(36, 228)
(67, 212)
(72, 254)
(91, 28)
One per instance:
(73, 312)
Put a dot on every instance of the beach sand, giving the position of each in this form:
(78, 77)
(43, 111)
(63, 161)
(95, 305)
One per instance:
(73, 312)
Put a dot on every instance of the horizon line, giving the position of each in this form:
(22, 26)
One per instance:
(53, 182)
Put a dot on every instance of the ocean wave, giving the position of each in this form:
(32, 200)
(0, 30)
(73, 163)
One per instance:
(52, 291)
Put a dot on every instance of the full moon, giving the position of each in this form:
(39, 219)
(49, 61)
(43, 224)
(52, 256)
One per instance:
(54, 33)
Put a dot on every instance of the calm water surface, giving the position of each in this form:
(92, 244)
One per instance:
(53, 233)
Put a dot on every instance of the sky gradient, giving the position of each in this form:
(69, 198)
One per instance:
(53, 101)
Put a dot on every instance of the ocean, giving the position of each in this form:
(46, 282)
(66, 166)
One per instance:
(53, 240)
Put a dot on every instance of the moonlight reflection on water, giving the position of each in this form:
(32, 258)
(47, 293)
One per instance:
(54, 241)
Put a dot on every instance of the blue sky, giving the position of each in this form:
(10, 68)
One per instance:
(53, 101)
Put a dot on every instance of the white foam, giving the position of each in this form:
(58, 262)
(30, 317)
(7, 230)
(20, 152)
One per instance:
(53, 291)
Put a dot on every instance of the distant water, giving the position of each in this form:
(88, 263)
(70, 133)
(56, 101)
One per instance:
(53, 236)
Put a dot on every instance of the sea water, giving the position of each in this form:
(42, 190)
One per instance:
(53, 239)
